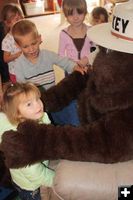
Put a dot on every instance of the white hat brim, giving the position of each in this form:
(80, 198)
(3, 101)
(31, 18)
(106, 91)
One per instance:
(101, 35)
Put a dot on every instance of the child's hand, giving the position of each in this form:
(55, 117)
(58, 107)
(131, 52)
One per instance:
(83, 62)
(18, 54)
(8, 57)
(80, 69)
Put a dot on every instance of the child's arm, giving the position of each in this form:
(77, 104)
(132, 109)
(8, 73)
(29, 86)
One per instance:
(65, 63)
(8, 57)
(88, 60)
(83, 61)
(8, 47)
(62, 44)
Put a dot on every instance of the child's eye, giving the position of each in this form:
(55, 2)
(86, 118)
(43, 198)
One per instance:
(34, 43)
(28, 104)
(24, 47)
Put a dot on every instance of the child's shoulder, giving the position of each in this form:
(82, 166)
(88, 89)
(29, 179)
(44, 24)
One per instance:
(2, 116)
(9, 36)
(8, 39)
(65, 30)
(65, 33)
(5, 124)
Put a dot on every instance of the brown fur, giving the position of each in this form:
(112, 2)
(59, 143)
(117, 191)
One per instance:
(105, 104)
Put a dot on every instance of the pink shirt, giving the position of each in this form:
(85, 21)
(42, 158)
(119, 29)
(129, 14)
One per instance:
(67, 47)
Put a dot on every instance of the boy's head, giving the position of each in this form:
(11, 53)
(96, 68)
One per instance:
(26, 36)
(69, 6)
(11, 13)
(21, 101)
(99, 15)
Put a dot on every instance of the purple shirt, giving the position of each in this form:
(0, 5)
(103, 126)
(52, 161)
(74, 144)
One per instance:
(67, 47)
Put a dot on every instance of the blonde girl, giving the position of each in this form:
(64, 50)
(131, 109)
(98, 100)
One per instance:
(22, 101)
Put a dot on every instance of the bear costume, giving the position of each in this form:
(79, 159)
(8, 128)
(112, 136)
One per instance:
(104, 102)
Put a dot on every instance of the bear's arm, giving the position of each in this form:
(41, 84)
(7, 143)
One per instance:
(107, 140)
(59, 96)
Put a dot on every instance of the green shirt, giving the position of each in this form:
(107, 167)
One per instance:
(33, 176)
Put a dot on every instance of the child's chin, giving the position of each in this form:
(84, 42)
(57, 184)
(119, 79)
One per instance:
(38, 116)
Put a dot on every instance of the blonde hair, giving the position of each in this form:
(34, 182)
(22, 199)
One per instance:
(8, 12)
(69, 5)
(13, 97)
(22, 28)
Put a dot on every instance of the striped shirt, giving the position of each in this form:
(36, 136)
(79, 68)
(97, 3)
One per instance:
(42, 72)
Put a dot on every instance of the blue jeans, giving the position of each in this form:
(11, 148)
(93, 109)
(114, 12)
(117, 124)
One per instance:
(67, 116)
(28, 195)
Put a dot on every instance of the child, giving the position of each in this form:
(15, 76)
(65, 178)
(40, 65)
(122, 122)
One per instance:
(99, 15)
(74, 44)
(21, 101)
(73, 41)
(11, 13)
(36, 65)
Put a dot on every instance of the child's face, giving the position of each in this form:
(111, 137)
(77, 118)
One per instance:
(76, 19)
(98, 20)
(13, 19)
(30, 107)
(29, 44)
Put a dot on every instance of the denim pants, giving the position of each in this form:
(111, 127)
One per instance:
(67, 116)
(28, 195)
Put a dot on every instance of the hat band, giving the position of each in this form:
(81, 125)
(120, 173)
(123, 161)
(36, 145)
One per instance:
(121, 36)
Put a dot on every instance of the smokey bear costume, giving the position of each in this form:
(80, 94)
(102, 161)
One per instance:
(105, 106)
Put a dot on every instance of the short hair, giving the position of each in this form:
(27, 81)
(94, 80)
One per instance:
(22, 28)
(12, 97)
(69, 5)
(97, 11)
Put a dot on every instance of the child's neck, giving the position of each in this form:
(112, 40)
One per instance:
(77, 31)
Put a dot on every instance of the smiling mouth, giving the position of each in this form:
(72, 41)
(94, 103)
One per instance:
(40, 111)
(34, 54)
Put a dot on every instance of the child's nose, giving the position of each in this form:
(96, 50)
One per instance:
(75, 16)
(31, 48)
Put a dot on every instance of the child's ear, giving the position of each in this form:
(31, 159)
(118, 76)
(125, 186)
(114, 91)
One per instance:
(40, 39)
